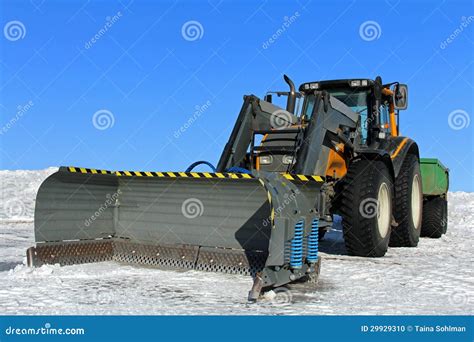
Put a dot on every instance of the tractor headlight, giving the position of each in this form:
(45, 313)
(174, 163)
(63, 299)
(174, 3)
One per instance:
(265, 160)
(288, 160)
(359, 83)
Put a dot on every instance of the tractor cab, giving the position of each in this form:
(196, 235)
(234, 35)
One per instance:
(353, 93)
(377, 105)
(360, 113)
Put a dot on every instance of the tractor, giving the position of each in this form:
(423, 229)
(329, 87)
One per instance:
(284, 174)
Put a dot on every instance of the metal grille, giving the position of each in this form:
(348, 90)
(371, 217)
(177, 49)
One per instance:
(181, 257)
(70, 253)
(161, 256)
(231, 261)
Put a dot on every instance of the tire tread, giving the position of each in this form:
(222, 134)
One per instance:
(434, 222)
(359, 183)
(401, 235)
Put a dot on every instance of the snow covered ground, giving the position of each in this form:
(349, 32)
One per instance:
(435, 278)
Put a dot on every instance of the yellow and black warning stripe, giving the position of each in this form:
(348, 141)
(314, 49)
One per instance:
(93, 171)
(303, 178)
(269, 197)
(221, 175)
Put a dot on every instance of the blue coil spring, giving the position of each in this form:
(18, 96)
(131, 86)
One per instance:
(296, 252)
(312, 254)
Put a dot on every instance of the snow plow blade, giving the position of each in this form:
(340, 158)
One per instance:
(261, 225)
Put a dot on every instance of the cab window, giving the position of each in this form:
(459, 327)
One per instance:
(356, 101)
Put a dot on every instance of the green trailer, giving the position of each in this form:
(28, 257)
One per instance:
(435, 180)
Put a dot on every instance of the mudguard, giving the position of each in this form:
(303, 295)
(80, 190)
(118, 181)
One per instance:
(393, 150)
(398, 149)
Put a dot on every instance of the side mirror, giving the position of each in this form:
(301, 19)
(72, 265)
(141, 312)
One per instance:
(268, 98)
(400, 96)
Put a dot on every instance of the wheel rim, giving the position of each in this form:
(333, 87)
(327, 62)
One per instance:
(383, 210)
(416, 201)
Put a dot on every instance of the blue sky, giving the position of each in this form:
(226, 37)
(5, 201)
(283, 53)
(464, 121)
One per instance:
(149, 75)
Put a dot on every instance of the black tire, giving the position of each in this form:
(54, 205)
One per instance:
(435, 217)
(360, 209)
(445, 216)
(407, 231)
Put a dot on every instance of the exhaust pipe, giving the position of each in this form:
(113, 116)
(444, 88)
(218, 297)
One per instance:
(291, 102)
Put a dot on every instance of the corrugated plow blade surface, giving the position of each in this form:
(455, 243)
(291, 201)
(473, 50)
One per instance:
(261, 225)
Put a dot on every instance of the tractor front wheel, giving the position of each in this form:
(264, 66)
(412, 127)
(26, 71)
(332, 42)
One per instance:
(408, 204)
(366, 208)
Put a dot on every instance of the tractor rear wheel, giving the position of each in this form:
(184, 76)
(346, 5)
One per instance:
(408, 204)
(366, 208)
(435, 217)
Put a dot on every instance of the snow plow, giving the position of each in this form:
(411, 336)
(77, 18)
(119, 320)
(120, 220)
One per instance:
(282, 176)
(228, 222)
